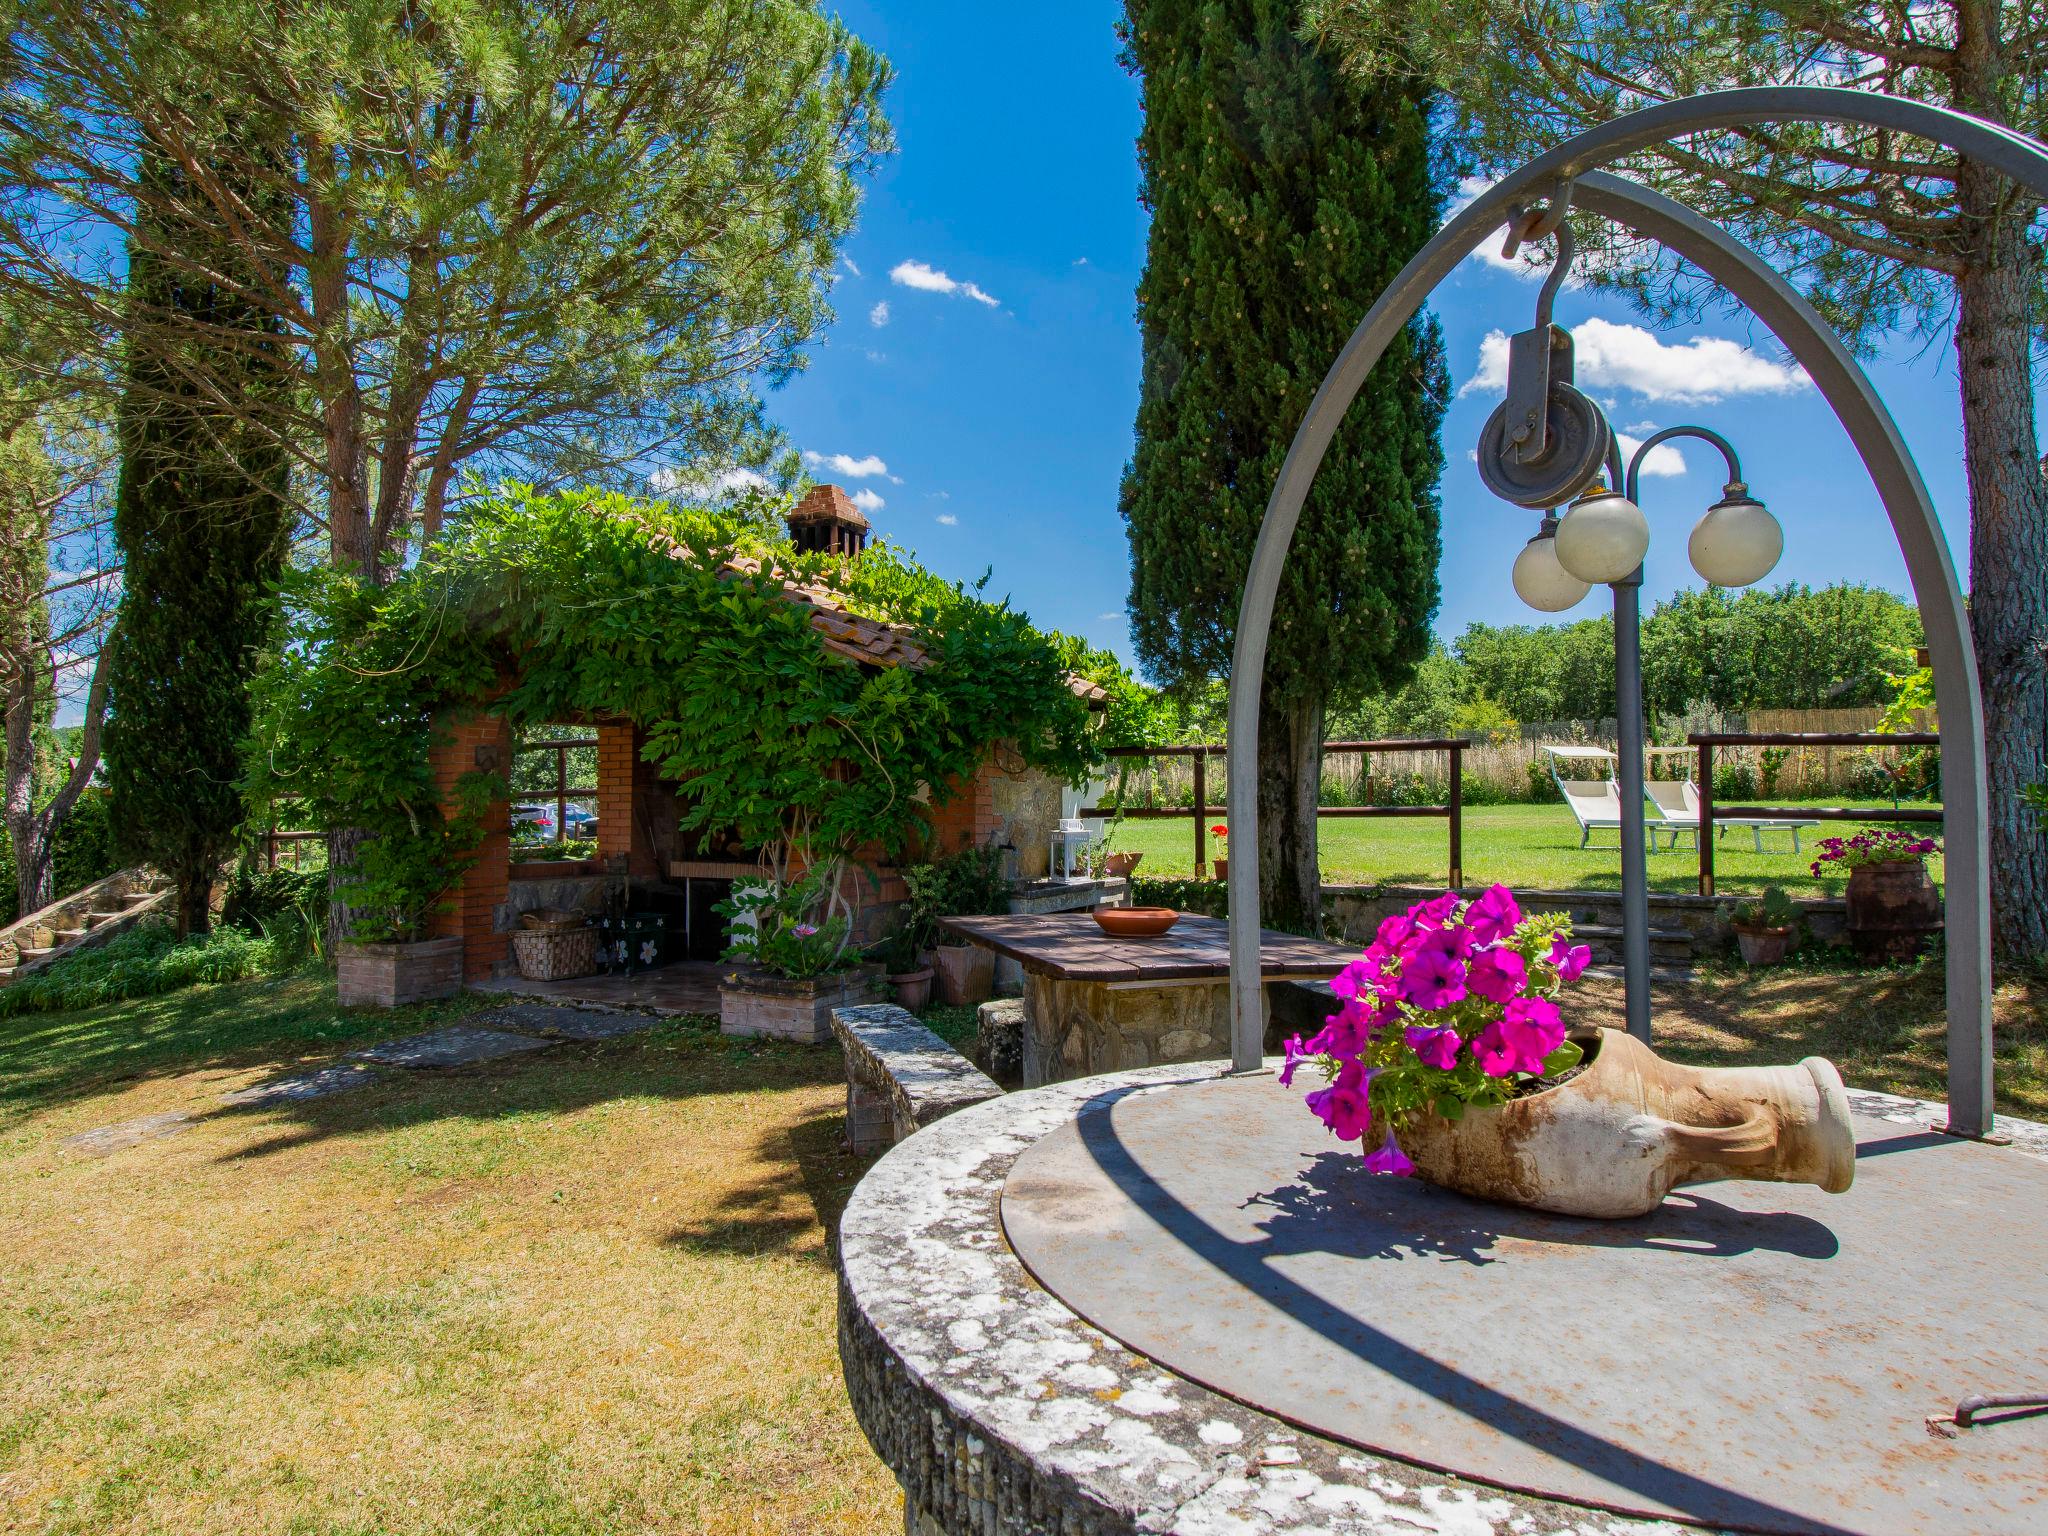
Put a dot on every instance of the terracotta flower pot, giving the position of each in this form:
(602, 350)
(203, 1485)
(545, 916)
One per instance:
(1617, 1138)
(913, 988)
(967, 974)
(1222, 868)
(1761, 945)
(1118, 866)
(1893, 908)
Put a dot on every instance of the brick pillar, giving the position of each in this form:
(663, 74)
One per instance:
(623, 780)
(963, 813)
(472, 741)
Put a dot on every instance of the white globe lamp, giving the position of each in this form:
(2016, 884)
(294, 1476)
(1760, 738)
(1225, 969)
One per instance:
(1540, 581)
(1603, 537)
(1738, 542)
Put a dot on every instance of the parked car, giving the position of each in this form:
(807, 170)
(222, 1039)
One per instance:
(576, 821)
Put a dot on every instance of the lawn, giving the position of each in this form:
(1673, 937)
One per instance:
(588, 1291)
(1533, 847)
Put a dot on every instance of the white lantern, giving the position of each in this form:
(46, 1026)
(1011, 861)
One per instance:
(1067, 853)
(1604, 536)
(1737, 542)
(1540, 581)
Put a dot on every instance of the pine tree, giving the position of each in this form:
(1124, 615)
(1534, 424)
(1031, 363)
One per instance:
(1284, 195)
(200, 516)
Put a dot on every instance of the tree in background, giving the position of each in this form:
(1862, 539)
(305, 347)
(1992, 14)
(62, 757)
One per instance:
(203, 519)
(1883, 231)
(544, 237)
(56, 464)
(1283, 198)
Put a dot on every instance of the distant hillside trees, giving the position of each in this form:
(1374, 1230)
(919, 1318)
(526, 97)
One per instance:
(1791, 647)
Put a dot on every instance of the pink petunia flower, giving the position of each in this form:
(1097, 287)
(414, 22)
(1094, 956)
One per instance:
(1496, 974)
(1346, 1032)
(1530, 1029)
(1432, 977)
(1435, 912)
(1493, 915)
(1569, 959)
(1436, 1048)
(1490, 1049)
(1389, 1158)
(1361, 978)
(1396, 933)
(1346, 1105)
(1297, 1053)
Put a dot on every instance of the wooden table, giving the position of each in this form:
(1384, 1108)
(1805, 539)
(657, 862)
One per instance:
(1095, 1004)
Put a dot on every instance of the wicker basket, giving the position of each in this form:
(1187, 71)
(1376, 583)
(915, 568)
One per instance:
(555, 954)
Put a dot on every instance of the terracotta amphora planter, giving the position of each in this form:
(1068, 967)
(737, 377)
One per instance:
(1893, 909)
(1761, 945)
(1621, 1135)
(967, 974)
(1118, 866)
(913, 988)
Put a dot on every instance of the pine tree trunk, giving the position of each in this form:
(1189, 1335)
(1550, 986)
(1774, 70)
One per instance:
(2008, 508)
(1290, 778)
(195, 904)
(342, 843)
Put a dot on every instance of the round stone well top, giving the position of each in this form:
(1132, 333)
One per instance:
(1167, 1301)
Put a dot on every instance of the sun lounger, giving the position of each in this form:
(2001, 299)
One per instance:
(1595, 804)
(1678, 803)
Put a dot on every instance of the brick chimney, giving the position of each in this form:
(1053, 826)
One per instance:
(827, 522)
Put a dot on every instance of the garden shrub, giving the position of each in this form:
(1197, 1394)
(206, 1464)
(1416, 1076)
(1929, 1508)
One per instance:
(621, 607)
(1208, 897)
(1734, 781)
(146, 961)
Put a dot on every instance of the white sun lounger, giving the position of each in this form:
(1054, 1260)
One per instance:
(1595, 803)
(1679, 805)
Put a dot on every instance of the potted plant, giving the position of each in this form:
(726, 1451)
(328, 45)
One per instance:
(905, 971)
(794, 964)
(1221, 866)
(1450, 1049)
(1893, 905)
(1764, 926)
(969, 883)
(388, 956)
(1105, 865)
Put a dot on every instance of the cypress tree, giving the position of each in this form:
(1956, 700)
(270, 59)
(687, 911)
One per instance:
(1284, 195)
(202, 522)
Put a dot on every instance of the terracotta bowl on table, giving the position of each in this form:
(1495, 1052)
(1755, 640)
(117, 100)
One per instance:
(1135, 922)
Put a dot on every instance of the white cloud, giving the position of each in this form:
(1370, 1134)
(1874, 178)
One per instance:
(1107, 618)
(705, 487)
(1698, 371)
(938, 495)
(929, 279)
(948, 520)
(868, 501)
(850, 265)
(879, 315)
(1662, 462)
(877, 357)
(1080, 261)
(846, 464)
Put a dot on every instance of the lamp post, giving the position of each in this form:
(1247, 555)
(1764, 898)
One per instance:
(1603, 539)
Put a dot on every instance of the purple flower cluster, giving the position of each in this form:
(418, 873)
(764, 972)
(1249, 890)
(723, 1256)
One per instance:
(1441, 986)
(1884, 847)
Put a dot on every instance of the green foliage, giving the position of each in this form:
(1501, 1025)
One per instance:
(143, 962)
(1773, 909)
(1483, 720)
(1283, 199)
(1211, 898)
(546, 235)
(82, 853)
(603, 605)
(202, 524)
(970, 883)
(785, 929)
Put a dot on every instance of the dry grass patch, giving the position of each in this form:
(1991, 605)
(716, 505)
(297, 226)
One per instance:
(584, 1291)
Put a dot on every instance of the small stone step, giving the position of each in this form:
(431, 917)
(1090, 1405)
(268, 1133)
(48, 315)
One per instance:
(1588, 931)
(34, 953)
(65, 936)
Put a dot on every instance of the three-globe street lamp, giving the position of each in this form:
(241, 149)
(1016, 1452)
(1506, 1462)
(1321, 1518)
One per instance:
(1545, 447)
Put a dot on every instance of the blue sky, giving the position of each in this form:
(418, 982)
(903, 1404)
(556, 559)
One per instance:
(998, 390)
